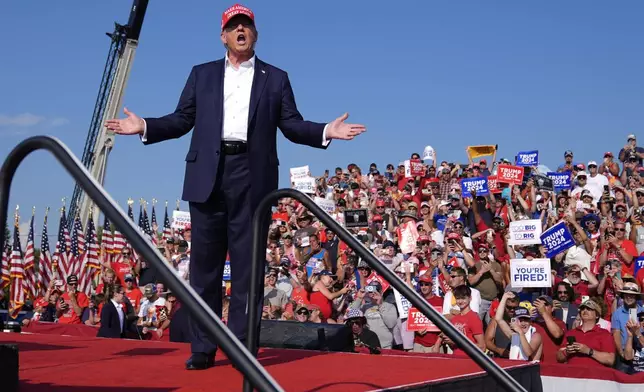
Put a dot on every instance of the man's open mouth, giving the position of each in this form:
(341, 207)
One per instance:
(241, 39)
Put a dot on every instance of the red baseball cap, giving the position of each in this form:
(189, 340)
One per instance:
(235, 10)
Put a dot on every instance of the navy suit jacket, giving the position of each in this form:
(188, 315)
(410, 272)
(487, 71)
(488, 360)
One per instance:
(272, 105)
(110, 322)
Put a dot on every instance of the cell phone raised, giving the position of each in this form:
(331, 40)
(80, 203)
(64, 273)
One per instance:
(571, 340)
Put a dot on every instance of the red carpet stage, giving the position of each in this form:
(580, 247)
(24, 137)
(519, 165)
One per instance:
(80, 363)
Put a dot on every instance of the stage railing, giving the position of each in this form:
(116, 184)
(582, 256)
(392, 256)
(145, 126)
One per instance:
(261, 221)
(246, 363)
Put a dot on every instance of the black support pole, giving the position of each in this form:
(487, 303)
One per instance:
(246, 363)
(260, 220)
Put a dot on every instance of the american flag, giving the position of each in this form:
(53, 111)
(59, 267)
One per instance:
(30, 282)
(5, 278)
(17, 272)
(78, 246)
(118, 239)
(167, 231)
(154, 233)
(89, 260)
(46, 270)
(107, 240)
(146, 224)
(61, 259)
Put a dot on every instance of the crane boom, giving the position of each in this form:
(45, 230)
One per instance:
(100, 140)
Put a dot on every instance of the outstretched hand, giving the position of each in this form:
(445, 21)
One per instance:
(338, 129)
(130, 125)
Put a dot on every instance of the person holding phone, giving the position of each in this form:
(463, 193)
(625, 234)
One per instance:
(588, 345)
(634, 349)
(630, 294)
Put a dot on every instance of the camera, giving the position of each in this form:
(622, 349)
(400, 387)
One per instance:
(370, 289)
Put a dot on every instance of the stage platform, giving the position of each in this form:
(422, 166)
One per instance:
(78, 364)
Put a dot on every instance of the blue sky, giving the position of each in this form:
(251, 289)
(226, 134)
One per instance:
(526, 75)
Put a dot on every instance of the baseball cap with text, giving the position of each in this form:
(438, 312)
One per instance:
(235, 10)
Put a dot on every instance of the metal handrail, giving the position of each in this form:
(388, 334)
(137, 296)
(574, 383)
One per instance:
(246, 363)
(260, 221)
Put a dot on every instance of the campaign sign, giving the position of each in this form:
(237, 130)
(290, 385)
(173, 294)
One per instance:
(557, 239)
(528, 158)
(414, 168)
(510, 174)
(383, 283)
(356, 218)
(402, 304)
(417, 321)
(530, 273)
(543, 183)
(639, 264)
(227, 271)
(477, 183)
(560, 181)
(492, 185)
(525, 232)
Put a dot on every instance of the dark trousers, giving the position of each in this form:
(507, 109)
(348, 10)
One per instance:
(222, 224)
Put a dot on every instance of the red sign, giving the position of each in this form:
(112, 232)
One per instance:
(509, 174)
(417, 321)
(374, 276)
(492, 185)
(414, 168)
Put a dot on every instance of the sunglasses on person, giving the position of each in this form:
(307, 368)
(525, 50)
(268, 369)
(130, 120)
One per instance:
(454, 276)
(562, 292)
(303, 312)
(619, 228)
(425, 284)
(511, 308)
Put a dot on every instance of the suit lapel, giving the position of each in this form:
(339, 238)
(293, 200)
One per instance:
(259, 82)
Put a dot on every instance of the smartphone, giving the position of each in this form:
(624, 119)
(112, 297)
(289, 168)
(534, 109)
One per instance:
(571, 340)
(632, 313)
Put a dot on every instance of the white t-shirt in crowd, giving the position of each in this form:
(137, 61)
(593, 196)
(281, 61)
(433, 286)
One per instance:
(475, 304)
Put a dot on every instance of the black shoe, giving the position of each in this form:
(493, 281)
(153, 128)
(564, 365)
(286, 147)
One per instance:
(200, 361)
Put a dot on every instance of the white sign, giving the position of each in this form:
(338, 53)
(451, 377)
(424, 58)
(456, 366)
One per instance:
(180, 219)
(300, 172)
(326, 204)
(530, 273)
(304, 185)
(525, 232)
(428, 154)
(403, 305)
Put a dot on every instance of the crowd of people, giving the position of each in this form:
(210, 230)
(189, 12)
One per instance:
(454, 246)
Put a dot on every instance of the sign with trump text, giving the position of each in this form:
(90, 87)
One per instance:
(510, 174)
(560, 181)
(525, 232)
(530, 273)
(479, 184)
(557, 239)
(528, 158)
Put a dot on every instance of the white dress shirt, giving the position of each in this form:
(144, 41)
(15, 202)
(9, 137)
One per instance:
(119, 310)
(238, 84)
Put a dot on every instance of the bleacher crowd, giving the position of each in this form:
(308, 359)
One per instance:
(529, 263)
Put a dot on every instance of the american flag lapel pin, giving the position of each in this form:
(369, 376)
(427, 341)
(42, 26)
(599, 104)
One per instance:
(263, 71)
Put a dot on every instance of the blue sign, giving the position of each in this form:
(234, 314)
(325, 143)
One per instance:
(227, 271)
(639, 264)
(560, 181)
(557, 239)
(478, 183)
(528, 158)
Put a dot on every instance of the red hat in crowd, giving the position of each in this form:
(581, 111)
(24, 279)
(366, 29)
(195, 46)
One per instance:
(233, 11)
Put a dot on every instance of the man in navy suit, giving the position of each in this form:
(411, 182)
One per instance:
(235, 106)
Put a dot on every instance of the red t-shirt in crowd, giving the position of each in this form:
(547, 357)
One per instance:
(121, 269)
(629, 248)
(70, 316)
(550, 344)
(500, 254)
(317, 298)
(300, 296)
(134, 296)
(469, 324)
(597, 338)
(430, 338)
